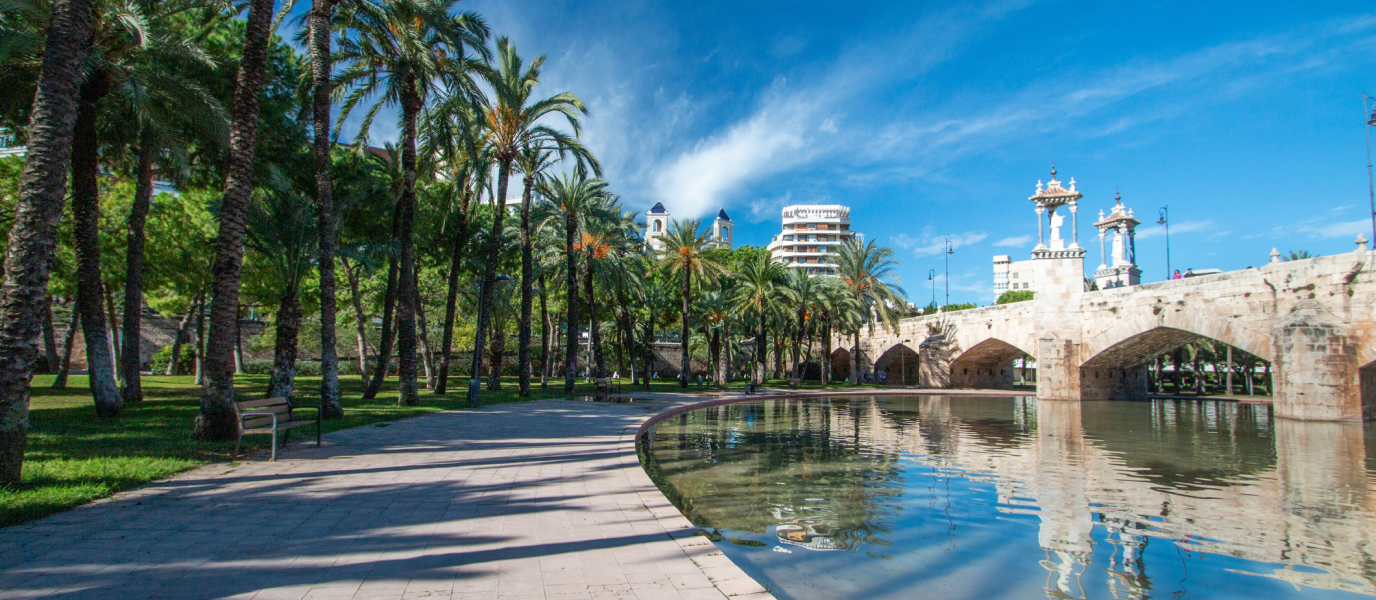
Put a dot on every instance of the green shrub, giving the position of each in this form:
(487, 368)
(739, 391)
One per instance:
(1012, 296)
(186, 362)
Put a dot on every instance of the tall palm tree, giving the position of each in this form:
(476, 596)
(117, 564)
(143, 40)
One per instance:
(690, 251)
(836, 310)
(216, 419)
(533, 161)
(319, 24)
(513, 119)
(802, 292)
(868, 272)
(43, 191)
(757, 289)
(573, 196)
(398, 51)
(282, 234)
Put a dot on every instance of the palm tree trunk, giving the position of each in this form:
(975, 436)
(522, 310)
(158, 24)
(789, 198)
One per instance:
(544, 334)
(714, 350)
(855, 359)
(200, 340)
(497, 352)
(284, 350)
(111, 337)
(69, 340)
(33, 236)
(239, 340)
(595, 326)
(826, 354)
(100, 362)
(490, 265)
(427, 354)
(649, 350)
(177, 341)
(360, 321)
(407, 394)
(330, 408)
(216, 420)
(523, 368)
(759, 351)
(133, 268)
(389, 302)
(571, 352)
(451, 301)
(683, 328)
(49, 336)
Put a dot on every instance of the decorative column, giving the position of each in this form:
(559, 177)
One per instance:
(1074, 223)
(1103, 254)
(1041, 239)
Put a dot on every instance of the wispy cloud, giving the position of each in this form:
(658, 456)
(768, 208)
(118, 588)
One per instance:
(1015, 241)
(1347, 229)
(931, 244)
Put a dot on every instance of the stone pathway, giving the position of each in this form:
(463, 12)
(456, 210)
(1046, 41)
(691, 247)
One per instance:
(531, 500)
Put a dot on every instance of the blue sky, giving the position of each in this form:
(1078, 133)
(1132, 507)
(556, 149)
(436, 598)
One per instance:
(934, 121)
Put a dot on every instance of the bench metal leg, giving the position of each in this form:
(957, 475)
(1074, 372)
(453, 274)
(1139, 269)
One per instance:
(274, 444)
(237, 443)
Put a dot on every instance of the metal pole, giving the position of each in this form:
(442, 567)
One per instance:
(1166, 220)
(1371, 183)
(1230, 370)
(931, 276)
(949, 250)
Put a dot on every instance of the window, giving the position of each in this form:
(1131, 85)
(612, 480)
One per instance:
(812, 226)
(788, 238)
(658, 225)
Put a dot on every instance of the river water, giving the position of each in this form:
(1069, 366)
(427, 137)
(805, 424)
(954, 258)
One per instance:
(1002, 497)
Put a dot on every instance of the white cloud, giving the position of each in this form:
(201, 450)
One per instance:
(701, 180)
(931, 244)
(1348, 229)
(1152, 231)
(1014, 242)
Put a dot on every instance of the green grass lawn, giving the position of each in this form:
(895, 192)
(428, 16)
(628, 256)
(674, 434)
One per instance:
(74, 458)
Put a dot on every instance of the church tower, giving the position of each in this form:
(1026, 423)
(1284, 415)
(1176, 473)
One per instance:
(721, 230)
(656, 226)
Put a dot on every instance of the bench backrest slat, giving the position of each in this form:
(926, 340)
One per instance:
(258, 403)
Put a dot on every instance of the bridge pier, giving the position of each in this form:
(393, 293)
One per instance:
(1317, 375)
(934, 363)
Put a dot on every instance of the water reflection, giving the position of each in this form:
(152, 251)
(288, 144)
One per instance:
(1005, 497)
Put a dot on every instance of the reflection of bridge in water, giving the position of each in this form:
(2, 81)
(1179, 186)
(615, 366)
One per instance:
(1203, 478)
(1309, 506)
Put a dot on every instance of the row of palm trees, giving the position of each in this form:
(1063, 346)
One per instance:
(134, 87)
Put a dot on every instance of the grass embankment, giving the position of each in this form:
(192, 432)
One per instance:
(74, 458)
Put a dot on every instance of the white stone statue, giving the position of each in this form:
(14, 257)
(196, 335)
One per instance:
(1056, 222)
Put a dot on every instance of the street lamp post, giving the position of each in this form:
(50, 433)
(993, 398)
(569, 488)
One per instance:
(949, 251)
(903, 362)
(932, 277)
(1371, 184)
(1166, 220)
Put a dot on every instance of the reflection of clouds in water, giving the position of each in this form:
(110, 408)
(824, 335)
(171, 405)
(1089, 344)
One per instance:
(1121, 500)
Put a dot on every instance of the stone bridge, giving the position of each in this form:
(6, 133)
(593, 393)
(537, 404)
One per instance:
(1314, 319)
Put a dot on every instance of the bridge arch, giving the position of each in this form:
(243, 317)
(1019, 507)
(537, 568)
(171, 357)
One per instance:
(987, 365)
(840, 364)
(1130, 342)
(900, 362)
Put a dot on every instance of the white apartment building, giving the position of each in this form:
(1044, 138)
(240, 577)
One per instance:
(1011, 276)
(811, 234)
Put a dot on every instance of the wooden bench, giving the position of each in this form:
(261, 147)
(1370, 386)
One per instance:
(269, 417)
(795, 381)
(603, 385)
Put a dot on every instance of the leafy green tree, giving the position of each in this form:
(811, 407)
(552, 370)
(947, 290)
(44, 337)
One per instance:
(1012, 296)
(573, 197)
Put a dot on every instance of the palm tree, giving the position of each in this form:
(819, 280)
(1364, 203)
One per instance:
(835, 307)
(216, 420)
(398, 51)
(657, 302)
(319, 19)
(513, 120)
(533, 161)
(573, 196)
(757, 288)
(690, 250)
(802, 291)
(282, 234)
(43, 191)
(868, 274)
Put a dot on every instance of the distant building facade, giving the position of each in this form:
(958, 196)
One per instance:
(811, 236)
(657, 226)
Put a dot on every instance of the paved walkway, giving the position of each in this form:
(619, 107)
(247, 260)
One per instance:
(532, 500)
